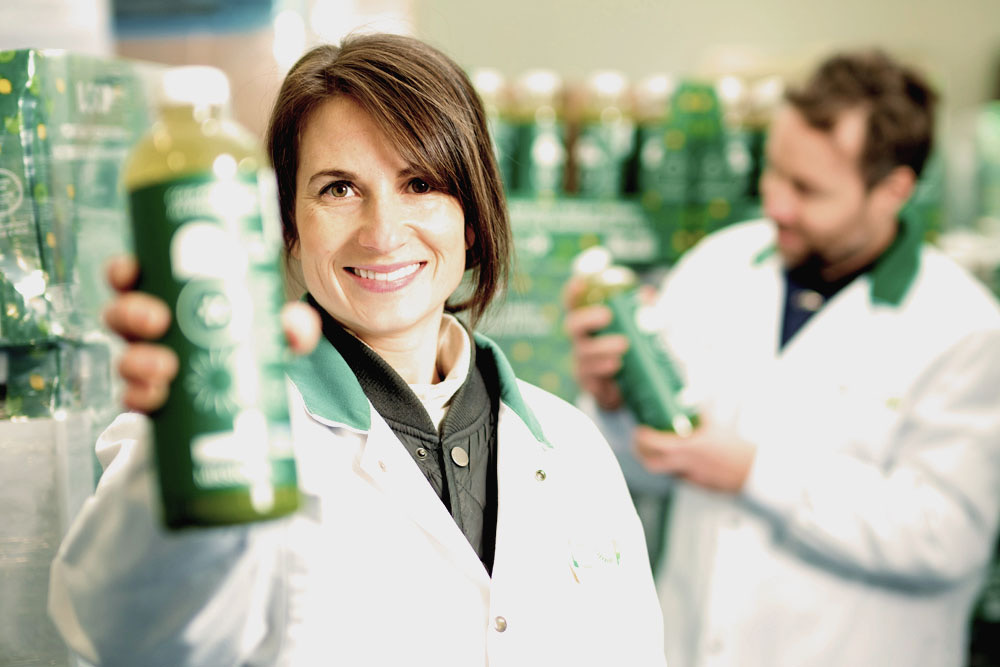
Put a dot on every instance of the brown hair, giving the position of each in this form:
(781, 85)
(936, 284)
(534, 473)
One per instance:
(427, 106)
(900, 106)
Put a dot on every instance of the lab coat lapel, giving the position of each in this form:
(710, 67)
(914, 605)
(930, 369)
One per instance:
(521, 495)
(839, 329)
(390, 466)
(768, 302)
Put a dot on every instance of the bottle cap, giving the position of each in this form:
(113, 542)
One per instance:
(194, 84)
(591, 261)
(652, 95)
(492, 89)
(538, 93)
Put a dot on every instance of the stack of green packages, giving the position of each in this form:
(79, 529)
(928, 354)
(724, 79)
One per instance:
(548, 235)
(540, 150)
(604, 138)
(495, 94)
(988, 189)
(985, 627)
(702, 182)
(987, 174)
(651, 105)
(66, 123)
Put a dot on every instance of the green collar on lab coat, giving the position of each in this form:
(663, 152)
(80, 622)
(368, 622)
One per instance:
(894, 271)
(332, 392)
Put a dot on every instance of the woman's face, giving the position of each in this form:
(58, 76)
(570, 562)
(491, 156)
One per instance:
(380, 250)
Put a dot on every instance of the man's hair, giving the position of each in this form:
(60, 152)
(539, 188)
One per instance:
(898, 101)
(426, 105)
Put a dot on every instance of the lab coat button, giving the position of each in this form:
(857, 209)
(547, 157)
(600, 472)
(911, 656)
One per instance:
(381, 465)
(540, 475)
(459, 456)
(500, 623)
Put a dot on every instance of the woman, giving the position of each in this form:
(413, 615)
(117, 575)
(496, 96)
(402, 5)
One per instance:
(451, 514)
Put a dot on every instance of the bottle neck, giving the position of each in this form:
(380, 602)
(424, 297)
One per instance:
(197, 113)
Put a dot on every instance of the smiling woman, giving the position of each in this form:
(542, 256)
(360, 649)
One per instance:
(452, 514)
(381, 250)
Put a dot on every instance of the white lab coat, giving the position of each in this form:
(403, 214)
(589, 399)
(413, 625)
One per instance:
(870, 511)
(373, 569)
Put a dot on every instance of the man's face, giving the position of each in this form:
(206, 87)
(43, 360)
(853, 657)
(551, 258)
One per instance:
(813, 190)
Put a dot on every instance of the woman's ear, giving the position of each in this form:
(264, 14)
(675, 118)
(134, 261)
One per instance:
(470, 237)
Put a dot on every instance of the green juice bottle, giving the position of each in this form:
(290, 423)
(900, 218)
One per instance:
(207, 237)
(648, 378)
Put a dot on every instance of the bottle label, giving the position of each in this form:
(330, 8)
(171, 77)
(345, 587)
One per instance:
(601, 152)
(541, 159)
(208, 249)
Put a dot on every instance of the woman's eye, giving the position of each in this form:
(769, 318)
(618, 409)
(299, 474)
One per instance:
(419, 186)
(339, 190)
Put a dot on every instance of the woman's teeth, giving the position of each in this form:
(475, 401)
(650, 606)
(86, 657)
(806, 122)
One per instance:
(387, 277)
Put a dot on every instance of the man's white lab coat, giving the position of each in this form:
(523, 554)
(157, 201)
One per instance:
(373, 569)
(870, 512)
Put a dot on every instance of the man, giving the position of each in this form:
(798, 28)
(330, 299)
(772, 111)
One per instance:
(838, 504)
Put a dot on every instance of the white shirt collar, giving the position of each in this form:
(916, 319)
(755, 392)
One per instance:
(455, 353)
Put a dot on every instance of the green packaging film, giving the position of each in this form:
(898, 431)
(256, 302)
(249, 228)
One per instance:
(66, 123)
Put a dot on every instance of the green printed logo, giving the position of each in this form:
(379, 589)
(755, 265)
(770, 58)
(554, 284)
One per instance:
(214, 313)
(11, 192)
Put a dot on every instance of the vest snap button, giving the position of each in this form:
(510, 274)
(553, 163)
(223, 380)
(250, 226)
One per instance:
(459, 456)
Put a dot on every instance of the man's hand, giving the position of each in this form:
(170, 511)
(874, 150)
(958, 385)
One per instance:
(148, 368)
(709, 458)
(595, 359)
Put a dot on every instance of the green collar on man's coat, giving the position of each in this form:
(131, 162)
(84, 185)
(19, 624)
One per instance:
(332, 392)
(894, 271)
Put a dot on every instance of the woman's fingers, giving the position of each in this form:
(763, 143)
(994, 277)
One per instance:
(137, 316)
(301, 325)
(122, 272)
(147, 370)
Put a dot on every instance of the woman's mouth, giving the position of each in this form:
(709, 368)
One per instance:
(385, 278)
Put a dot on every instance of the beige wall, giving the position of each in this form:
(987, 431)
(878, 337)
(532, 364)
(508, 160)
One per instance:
(254, 75)
(958, 41)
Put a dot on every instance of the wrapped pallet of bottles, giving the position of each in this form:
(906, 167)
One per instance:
(981, 252)
(66, 124)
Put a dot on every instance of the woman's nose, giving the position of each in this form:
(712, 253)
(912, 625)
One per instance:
(384, 226)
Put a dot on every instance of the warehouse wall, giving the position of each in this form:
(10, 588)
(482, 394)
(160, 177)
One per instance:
(959, 41)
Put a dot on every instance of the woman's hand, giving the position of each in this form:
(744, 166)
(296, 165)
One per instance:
(148, 368)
